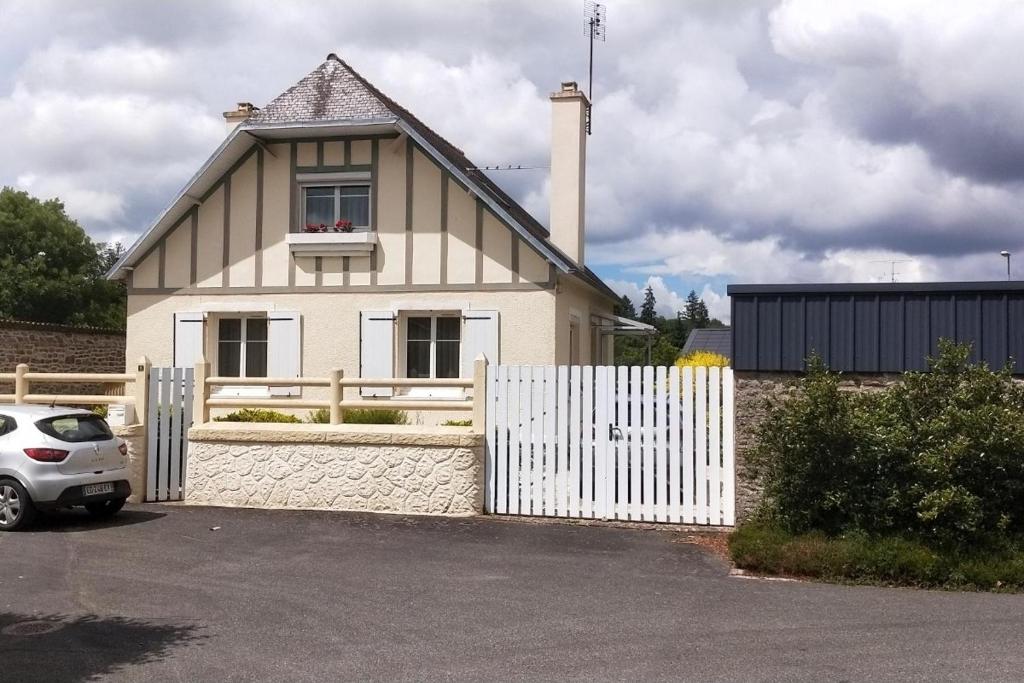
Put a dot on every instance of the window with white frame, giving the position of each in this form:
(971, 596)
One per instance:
(326, 205)
(433, 346)
(242, 347)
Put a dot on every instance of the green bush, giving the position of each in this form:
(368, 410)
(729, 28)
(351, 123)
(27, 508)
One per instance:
(375, 416)
(257, 415)
(320, 416)
(458, 423)
(860, 558)
(938, 457)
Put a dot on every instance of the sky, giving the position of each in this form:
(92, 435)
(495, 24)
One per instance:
(733, 142)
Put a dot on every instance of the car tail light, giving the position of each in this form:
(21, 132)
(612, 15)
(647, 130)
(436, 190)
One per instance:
(123, 448)
(46, 454)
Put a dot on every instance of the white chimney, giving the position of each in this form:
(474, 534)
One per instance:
(569, 169)
(233, 118)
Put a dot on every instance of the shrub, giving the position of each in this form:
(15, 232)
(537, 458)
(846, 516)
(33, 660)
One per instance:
(257, 415)
(457, 423)
(696, 359)
(101, 410)
(938, 457)
(375, 416)
(320, 416)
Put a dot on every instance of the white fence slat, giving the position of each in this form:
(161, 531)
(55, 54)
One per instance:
(550, 411)
(537, 446)
(163, 447)
(490, 437)
(601, 436)
(714, 446)
(576, 427)
(622, 445)
(613, 447)
(526, 440)
(728, 450)
(515, 416)
(174, 416)
(688, 453)
(674, 482)
(153, 434)
(648, 442)
(661, 445)
(503, 455)
(633, 429)
(186, 423)
(562, 438)
(587, 465)
(701, 420)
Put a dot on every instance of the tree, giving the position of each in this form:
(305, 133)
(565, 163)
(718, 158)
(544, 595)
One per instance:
(50, 270)
(647, 313)
(625, 308)
(696, 312)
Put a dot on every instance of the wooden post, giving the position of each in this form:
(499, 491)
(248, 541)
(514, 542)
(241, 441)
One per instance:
(200, 410)
(337, 393)
(479, 393)
(20, 383)
(142, 391)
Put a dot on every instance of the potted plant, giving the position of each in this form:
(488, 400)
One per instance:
(343, 226)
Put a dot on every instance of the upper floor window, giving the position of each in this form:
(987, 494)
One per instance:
(328, 204)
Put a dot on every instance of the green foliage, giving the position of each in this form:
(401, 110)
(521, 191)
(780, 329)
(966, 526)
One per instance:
(633, 351)
(625, 308)
(375, 416)
(457, 423)
(861, 558)
(938, 458)
(647, 312)
(50, 271)
(257, 415)
(101, 410)
(320, 416)
(695, 313)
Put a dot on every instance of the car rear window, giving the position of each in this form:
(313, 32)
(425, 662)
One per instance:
(76, 428)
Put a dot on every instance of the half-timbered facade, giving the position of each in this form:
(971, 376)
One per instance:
(333, 229)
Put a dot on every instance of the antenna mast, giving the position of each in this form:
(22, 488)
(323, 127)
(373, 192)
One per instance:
(593, 28)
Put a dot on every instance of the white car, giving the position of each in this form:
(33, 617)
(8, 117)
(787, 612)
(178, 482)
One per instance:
(53, 457)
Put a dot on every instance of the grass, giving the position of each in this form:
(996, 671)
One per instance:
(861, 559)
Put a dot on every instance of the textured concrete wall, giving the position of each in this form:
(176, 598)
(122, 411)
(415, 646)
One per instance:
(59, 348)
(753, 391)
(379, 468)
(135, 437)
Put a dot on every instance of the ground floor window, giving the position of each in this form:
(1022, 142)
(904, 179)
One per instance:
(242, 347)
(433, 346)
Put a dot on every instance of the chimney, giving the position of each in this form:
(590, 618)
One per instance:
(568, 169)
(233, 118)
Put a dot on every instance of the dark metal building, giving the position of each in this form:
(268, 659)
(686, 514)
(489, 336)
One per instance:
(874, 327)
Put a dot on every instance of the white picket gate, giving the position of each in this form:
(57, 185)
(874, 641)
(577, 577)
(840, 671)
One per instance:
(650, 444)
(170, 416)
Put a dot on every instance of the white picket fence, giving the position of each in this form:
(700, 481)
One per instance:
(650, 444)
(170, 416)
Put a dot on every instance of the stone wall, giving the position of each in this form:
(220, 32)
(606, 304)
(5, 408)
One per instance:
(378, 468)
(135, 437)
(60, 348)
(752, 392)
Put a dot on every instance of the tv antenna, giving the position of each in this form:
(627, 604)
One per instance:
(593, 28)
(892, 266)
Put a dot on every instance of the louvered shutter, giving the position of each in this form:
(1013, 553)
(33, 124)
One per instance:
(284, 349)
(376, 349)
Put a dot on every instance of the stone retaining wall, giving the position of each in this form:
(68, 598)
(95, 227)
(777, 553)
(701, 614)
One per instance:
(378, 468)
(752, 391)
(60, 348)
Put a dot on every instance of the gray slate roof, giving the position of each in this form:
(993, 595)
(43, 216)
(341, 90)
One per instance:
(716, 340)
(331, 92)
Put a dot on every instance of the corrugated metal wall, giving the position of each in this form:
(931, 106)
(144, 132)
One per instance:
(876, 327)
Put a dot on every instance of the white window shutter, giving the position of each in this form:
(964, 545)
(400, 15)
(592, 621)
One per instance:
(188, 339)
(479, 335)
(376, 349)
(284, 349)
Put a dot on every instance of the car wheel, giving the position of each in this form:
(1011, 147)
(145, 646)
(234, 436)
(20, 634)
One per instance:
(16, 508)
(107, 508)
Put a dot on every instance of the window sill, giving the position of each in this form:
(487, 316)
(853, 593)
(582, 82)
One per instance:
(331, 243)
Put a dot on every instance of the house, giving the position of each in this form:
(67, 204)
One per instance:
(334, 229)
(711, 339)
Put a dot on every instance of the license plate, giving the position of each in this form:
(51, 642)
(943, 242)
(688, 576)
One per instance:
(97, 489)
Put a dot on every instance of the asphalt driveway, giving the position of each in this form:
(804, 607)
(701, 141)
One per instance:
(301, 596)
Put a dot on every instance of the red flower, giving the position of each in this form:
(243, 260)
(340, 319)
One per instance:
(343, 226)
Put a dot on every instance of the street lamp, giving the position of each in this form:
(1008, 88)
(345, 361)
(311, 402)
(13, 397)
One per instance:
(1006, 255)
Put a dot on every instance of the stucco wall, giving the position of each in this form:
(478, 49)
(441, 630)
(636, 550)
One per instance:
(59, 348)
(753, 391)
(437, 471)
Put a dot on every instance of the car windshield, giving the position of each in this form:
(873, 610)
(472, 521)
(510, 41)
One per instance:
(76, 428)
